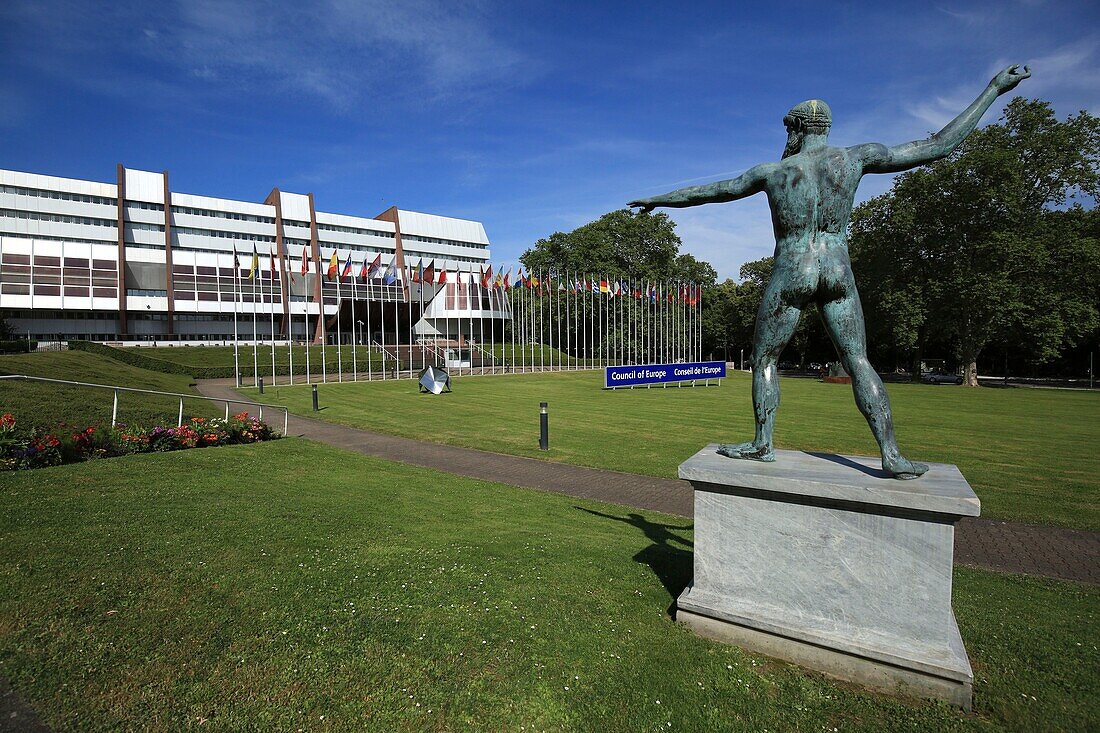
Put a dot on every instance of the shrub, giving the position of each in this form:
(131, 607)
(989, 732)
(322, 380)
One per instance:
(65, 444)
(17, 346)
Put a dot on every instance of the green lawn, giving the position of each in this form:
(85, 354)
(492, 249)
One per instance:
(220, 358)
(1031, 455)
(292, 586)
(47, 405)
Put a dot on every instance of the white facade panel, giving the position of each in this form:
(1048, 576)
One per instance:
(442, 227)
(294, 205)
(144, 186)
(53, 183)
(227, 205)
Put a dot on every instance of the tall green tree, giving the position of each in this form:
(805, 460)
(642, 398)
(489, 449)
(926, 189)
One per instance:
(976, 248)
(619, 243)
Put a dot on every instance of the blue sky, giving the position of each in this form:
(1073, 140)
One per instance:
(530, 117)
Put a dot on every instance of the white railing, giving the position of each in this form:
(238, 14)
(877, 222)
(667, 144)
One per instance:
(182, 397)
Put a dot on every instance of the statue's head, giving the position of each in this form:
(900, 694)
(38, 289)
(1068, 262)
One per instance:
(812, 117)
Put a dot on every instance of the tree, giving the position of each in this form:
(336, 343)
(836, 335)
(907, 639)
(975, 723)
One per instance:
(973, 249)
(639, 247)
(620, 243)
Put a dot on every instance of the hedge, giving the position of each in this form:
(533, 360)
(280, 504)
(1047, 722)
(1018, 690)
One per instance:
(18, 346)
(137, 358)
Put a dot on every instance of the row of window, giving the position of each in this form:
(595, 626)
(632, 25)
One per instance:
(354, 230)
(223, 234)
(147, 205)
(147, 293)
(48, 238)
(223, 214)
(437, 240)
(59, 195)
(60, 218)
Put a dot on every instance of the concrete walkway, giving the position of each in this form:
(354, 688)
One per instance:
(1053, 552)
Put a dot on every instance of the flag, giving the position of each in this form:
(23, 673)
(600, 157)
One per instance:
(486, 276)
(333, 265)
(652, 294)
(442, 279)
(618, 291)
(507, 284)
(532, 281)
(429, 274)
(347, 267)
(595, 286)
(498, 281)
(236, 263)
(418, 273)
(390, 276)
(305, 259)
(255, 263)
(375, 266)
(363, 270)
(603, 287)
(561, 286)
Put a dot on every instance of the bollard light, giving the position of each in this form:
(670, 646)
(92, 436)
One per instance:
(544, 427)
(315, 408)
(261, 385)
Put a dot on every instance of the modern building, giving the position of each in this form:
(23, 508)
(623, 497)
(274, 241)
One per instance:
(133, 260)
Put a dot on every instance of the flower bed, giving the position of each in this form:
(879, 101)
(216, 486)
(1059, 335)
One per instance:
(65, 444)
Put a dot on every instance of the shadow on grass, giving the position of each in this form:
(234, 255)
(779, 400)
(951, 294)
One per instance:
(669, 556)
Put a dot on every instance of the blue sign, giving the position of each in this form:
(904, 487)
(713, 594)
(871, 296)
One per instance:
(632, 376)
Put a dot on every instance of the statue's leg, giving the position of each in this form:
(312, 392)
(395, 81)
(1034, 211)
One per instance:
(844, 320)
(776, 321)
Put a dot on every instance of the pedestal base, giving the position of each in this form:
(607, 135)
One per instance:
(827, 562)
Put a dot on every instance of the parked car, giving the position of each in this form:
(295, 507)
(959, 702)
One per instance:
(938, 377)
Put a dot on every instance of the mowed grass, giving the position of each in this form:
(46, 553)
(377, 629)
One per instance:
(1031, 455)
(332, 360)
(46, 405)
(292, 586)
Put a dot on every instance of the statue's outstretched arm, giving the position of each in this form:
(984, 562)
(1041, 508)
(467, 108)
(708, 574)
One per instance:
(878, 158)
(746, 184)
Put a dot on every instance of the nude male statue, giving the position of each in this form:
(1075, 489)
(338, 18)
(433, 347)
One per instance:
(810, 192)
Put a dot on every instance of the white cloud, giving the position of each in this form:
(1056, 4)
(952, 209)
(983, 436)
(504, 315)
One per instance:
(342, 52)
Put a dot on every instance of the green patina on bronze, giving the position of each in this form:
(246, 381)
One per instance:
(811, 192)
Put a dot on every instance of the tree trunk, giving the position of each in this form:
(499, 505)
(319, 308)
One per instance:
(914, 366)
(970, 372)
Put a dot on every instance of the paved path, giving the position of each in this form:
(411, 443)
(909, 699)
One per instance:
(1053, 552)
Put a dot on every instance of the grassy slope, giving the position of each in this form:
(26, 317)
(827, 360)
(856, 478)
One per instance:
(47, 404)
(222, 356)
(1030, 454)
(253, 596)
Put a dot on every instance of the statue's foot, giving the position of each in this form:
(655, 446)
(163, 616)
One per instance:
(751, 451)
(902, 468)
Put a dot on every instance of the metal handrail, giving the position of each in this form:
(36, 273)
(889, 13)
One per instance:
(182, 397)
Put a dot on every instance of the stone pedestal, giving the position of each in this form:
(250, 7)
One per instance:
(827, 562)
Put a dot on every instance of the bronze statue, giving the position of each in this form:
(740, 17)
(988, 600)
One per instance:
(810, 192)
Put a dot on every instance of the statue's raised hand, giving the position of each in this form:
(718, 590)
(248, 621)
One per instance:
(1007, 79)
(643, 205)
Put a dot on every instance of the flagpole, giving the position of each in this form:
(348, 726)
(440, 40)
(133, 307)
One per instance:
(370, 333)
(423, 355)
(397, 318)
(254, 276)
(307, 337)
(493, 301)
(354, 330)
(511, 324)
(284, 282)
(382, 316)
(271, 287)
(409, 315)
(236, 354)
(324, 324)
